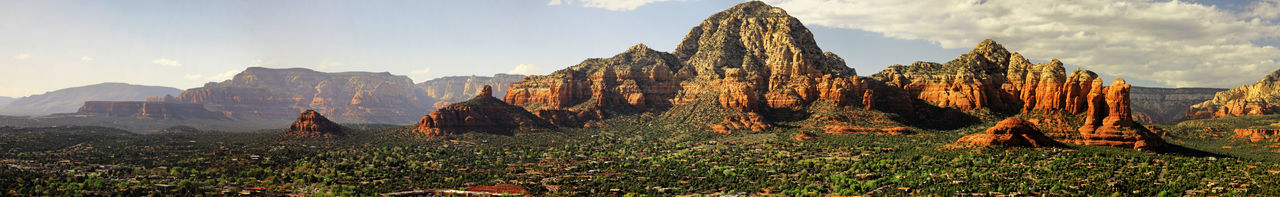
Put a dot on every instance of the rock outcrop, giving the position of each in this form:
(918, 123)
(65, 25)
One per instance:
(1109, 120)
(264, 93)
(1009, 132)
(991, 79)
(149, 110)
(460, 88)
(1257, 135)
(1259, 98)
(311, 124)
(483, 113)
(1166, 105)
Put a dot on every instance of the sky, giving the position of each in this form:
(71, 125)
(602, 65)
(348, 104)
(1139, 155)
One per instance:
(47, 45)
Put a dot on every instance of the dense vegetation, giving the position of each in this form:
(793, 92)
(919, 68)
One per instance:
(632, 156)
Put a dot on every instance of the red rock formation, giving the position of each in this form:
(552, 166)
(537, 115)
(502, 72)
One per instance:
(1009, 132)
(483, 113)
(804, 136)
(767, 60)
(263, 93)
(1110, 122)
(748, 121)
(311, 124)
(1256, 135)
(149, 110)
(1254, 99)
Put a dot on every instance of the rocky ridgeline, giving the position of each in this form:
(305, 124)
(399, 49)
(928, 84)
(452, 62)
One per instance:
(1259, 98)
(266, 93)
(311, 124)
(483, 113)
(752, 65)
(149, 110)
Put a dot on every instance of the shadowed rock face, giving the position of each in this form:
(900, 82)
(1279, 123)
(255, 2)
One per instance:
(276, 93)
(1166, 105)
(1259, 98)
(1009, 132)
(311, 124)
(483, 113)
(149, 110)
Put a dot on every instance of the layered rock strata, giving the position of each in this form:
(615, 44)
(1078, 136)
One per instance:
(264, 93)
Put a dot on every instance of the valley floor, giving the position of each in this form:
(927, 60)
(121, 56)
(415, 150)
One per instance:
(630, 156)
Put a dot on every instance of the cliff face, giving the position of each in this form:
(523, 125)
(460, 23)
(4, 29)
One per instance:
(1166, 105)
(149, 110)
(459, 88)
(1259, 98)
(278, 93)
(311, 124)
(70, 99)
(483, 113)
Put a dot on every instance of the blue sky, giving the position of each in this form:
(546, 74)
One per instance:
(49, 45)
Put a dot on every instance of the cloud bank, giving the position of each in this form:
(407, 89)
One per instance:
(1182, 44)
(166, 62)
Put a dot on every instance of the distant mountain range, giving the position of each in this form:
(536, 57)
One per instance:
(1166, 105)
(4, 100)
(70, 99)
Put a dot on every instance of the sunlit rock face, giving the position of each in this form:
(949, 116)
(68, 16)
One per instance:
(1009, 132)
(1258, 98)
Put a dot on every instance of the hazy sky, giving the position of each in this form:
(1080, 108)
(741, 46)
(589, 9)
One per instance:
(50, 44)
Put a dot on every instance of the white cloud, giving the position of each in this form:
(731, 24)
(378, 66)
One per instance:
(86, 58)
(224, 76)
(325, 64)
(192, 76)
(166, 62)
(1264, 9)
(420, 72)
(1173, 42)
(523, 69)
(22, 56)
(612, 5)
